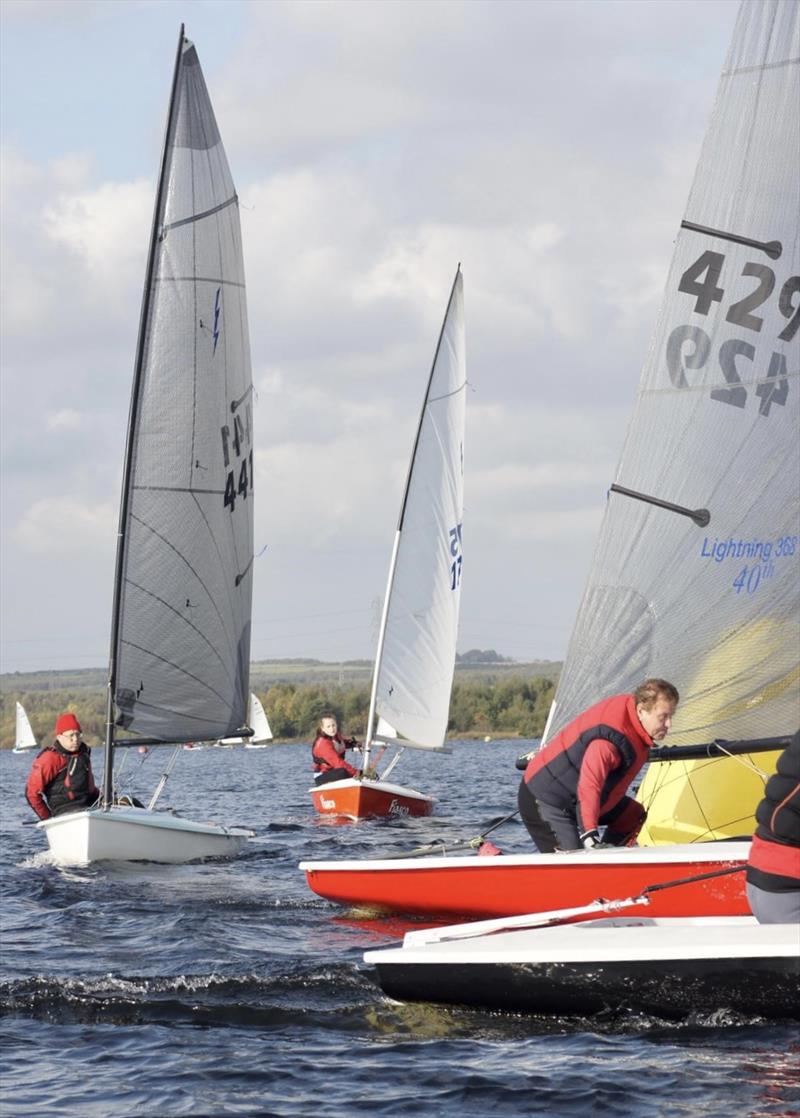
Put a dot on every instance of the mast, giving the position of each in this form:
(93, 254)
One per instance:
(373, 698)
(158, 210)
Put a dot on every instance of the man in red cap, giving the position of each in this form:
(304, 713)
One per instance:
(61, 777)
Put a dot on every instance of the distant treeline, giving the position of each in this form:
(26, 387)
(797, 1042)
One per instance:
(508, 706)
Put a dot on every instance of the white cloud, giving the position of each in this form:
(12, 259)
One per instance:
(65, 420)
(70, 526)
(107, 229)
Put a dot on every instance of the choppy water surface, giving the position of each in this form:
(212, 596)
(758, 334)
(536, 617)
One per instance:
(230, 989)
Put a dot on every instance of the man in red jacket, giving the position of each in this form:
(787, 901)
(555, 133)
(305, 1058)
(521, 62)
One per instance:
(61, 777)
(578, 781)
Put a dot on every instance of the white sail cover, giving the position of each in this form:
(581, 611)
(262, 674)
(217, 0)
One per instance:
(714, 608)
(24, 737)
(416, 658)
(183, 647)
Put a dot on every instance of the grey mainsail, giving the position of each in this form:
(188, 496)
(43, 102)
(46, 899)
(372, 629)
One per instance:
(713, 606)
(181, 632)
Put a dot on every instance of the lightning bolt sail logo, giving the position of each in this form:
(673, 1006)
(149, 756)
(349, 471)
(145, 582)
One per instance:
(217, 309)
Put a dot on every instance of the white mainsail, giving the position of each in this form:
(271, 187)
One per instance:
(711, 601)
(416, 651)
(24, 738)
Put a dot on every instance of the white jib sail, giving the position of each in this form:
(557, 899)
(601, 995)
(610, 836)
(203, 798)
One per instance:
(713, 607)
(416, 651)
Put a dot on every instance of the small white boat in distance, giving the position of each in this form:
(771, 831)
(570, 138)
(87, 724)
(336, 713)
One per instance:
(257, 722)
(24, 738)
(670, 967)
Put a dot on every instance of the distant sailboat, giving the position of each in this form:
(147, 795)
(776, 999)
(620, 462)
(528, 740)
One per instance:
(415, 657)
(257, 722)
(180, 640)
(24, 739)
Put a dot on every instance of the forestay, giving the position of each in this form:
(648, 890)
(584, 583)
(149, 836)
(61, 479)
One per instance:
(182, 640)
(714, 606)
(416, 651)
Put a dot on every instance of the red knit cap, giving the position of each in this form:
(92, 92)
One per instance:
(66, 722)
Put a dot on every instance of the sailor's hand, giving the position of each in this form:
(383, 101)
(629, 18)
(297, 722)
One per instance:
(590, 839)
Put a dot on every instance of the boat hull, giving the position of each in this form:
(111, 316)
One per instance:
(369, 799)
(505, 885)
(669, 968)
(134, 834)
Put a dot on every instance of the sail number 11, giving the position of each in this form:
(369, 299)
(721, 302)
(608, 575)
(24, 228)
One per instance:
(456, 552)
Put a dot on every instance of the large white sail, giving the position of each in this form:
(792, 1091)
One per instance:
(713, 606)
(182, 643)
(417, 647)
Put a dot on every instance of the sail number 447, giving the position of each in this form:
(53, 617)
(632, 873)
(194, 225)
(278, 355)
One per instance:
(238, 459)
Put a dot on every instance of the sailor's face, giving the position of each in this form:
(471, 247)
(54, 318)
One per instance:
(658, 719)
(328, 726)
(69, 741)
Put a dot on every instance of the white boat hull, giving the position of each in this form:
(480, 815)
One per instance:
(671, 967)
(125, 834)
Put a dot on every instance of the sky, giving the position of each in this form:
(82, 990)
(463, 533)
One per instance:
(547, 147)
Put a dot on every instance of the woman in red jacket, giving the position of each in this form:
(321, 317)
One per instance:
(61, 777)
(773, 868)
(328, 753)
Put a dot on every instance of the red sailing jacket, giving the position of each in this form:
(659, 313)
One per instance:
(328, 753)
(61, 781)
(588, 766)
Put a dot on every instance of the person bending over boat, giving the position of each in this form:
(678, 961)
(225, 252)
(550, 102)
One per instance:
(61, 777)
(579, 780)
(328, 753)
(773, 867)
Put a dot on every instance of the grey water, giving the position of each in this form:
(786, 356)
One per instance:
(229, 988)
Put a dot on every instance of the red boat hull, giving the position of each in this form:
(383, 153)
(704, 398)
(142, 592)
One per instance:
(508, 885)
(369, 799)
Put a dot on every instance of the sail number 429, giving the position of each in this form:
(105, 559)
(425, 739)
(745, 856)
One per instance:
(689, 346)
